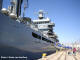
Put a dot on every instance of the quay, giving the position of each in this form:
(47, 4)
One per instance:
(62, 55)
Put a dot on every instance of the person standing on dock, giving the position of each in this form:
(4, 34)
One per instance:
(74, 50)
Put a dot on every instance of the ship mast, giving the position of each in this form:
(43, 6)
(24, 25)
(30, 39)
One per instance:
(15, 10)
(25, 6)
(19, 3)
(1, 4)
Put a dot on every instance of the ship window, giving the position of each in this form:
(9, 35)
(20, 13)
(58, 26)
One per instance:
(44, 29)
(36, 36)
(47, 21)
(46, 40)
(34, 22)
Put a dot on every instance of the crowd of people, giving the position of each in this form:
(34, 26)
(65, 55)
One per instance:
(74, 50)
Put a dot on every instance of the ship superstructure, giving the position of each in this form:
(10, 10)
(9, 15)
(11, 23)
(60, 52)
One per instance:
(19, 36)
(45, 26)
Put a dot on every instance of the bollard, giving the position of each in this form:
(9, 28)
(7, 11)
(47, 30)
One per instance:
(60, 49)
(44, 56)
(56, 51)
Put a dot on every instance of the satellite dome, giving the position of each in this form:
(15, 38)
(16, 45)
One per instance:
(12, 15)
(4, 10)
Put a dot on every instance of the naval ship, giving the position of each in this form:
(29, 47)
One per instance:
(20, 36)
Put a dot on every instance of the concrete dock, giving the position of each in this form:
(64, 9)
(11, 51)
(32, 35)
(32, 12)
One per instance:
(62, 55)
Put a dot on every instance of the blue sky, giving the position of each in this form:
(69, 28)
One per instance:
(64, 13)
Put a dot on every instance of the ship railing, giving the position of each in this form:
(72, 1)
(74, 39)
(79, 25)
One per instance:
(30, 24)
(33, 27)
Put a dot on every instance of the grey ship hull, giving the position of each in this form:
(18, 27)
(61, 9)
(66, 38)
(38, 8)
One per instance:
(16, 40)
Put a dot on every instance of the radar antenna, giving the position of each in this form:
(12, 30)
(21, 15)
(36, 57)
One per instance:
(41, 14)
